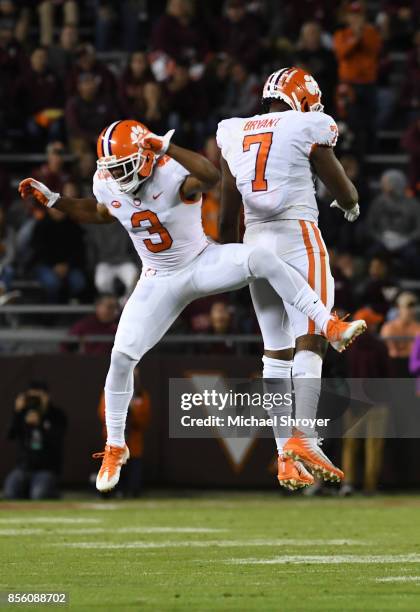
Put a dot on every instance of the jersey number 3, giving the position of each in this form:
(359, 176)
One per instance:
(154, 226)
(263, 141)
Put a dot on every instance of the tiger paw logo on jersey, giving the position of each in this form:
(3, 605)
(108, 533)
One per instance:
(137, 134)
(116, 204)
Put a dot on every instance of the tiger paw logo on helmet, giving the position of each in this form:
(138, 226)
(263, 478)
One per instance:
(137, 134)
(311, 85)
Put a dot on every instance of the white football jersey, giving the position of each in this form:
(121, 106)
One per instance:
(166, 231)
(269, 156)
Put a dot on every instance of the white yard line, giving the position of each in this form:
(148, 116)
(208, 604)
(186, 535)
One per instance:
(48, 519)
(208, 543)
(102, 530)
(399, 579)
(329, 559)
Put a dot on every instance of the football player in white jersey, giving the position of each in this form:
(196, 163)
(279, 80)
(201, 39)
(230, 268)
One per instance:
(268, 165)
(154, 188)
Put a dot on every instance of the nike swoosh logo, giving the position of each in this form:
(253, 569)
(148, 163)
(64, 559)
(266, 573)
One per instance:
(155, 197)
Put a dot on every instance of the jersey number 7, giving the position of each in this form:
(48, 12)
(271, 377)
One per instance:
(264, 141)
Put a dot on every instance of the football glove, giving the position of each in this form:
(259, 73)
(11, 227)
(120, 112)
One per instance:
(351, 214)
(44, 196)
(158, 144)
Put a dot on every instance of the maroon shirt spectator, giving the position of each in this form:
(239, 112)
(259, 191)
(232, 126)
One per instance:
(239, 34)
(86, 62)
(368, 357)
(52, 173)
(185, 96)
(102, 323)
(379, 289)
(410, 91)
(87, 113)
(38, 89)
(411, 143)
(139, 93)
(177, 33)
(61, 56)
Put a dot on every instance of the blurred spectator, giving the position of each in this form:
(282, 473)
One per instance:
(380, 288)
(178, 35)
(102, 323)
(400, 333)
(13, 62)
(410, 90)
(84, 171)
(87, 113)
(15, 16)
(210, 213)
(314, 57)
(239, 34)
(52, 173)
(47, 14)
(61, 56)
(7, 253)
(116, 269)
(343, 286)
(86, 62)
(411, 143)
(40, 98)
(187, 106)
(212, 151)
(221, 323)
(216, 81)
(367, 358)
(58, 256)
(357, 49)
(393, 221)
(38, 427)
(397, 21)
(243, 93)
(5, 192)
(414, 362)
(138, 421)
(140, 95)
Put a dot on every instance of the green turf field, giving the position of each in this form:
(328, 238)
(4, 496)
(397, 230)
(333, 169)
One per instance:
(220, 551)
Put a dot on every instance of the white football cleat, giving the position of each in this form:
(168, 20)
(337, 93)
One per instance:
(113, 458)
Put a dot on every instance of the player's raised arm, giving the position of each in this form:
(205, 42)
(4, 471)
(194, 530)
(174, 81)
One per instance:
(82, 210)
(332, 174)
(203, 175)
(230, 207)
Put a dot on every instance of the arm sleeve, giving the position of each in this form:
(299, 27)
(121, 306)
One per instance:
(222, 137)
(322, 131)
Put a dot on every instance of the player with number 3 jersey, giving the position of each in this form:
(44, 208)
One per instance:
(154, 189)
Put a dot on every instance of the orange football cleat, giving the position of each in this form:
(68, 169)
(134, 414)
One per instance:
(340, 334)
(113, 458)
(309, 452)
(292, 474)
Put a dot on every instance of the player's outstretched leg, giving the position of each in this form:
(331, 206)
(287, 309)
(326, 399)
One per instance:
(292, 287)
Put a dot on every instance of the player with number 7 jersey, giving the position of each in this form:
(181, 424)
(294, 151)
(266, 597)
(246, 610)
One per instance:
(154, 189)
(269, 163)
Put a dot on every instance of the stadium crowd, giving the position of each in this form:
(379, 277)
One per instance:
(69, 68)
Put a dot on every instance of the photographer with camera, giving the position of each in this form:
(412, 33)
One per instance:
(38, 428)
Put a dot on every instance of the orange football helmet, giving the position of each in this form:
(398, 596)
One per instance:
(120, 152)
(295, 87)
